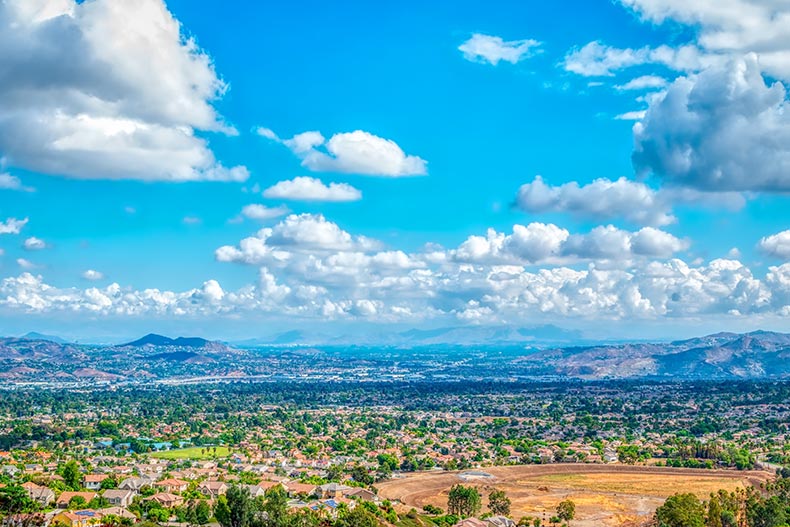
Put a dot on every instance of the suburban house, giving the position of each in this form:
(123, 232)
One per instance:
(76, 519)
(360, 494)
(66, 497)
(471, 522)
(256, 491)
(167, 500)
(500, 521)
(119, 497)
(41, 495)
(213, 489)
(300, 489)
(173, 485)
(332, 490)
(117, 511)
(93, 481)
(10, 470)
(136, 484)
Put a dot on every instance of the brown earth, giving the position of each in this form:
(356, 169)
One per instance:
(610, 495)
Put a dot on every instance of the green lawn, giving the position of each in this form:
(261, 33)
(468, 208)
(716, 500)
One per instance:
(192, 453)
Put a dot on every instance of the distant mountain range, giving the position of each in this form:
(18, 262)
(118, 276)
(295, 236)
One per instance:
(461, 336)
(159, 341)
(759, 354)
(755, 355)
(33, 335)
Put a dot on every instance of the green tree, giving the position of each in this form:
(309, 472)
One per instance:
(681, 510)
(235, 508)
(109, 483)
(77, 502)
(463, 501)
(72, 476)
(15, 499)
(358, 517)
(202, 512)
(499, 503)
(566, 510)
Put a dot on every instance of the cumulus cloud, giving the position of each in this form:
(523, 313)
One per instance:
(645, 82)
(9, 182)
(540, 243)
(312, 189)
(34, 244)
(776, 245)
(259, 212)
(357, 152)
(596, 59)
(731, 26)
(496, 293)
(492, 49)
(93, 275)
(12, 226)
(107, 90)
(601, 199)
(722, 130)
(296, 233)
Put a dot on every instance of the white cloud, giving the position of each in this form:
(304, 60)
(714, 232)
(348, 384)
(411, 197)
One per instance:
(107, 90)
(536, 242)
(312, 189)
(601, 199)
(721, 130)
(25, 264)
(34, 244)
(492, 49)
(636, 115)
(355, 152)
(644, 82)
(731, 26)
(92, 275)
(12, 226)
(191, 220)
(296, 233)
(540, 243)
(776, 245)
(259, 212)
(596, 59)
(724, 289)
(9, 182)
(310, 268)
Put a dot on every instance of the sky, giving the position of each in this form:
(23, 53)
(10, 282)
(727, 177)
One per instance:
(238, 169)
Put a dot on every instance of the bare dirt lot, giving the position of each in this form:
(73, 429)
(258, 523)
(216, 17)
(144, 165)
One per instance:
(611, 495)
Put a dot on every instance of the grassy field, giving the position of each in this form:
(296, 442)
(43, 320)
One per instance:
(605, 495)
(192, 453)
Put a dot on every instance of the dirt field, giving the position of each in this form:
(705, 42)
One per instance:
(611, 495)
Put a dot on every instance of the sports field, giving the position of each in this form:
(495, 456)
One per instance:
(195, 453)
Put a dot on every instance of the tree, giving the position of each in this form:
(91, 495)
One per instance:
(463, 501)
(681, 510)
(358, 517)
(235, 508)
(71, 475)
(77, 502)
(202, 512)
(499, 503)
(275, 505)
(566, 510)
(14, 499)
(109, 483)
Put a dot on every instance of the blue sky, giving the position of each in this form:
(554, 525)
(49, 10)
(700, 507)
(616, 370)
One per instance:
(236, 170)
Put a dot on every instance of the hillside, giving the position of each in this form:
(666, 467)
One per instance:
(760, 354)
